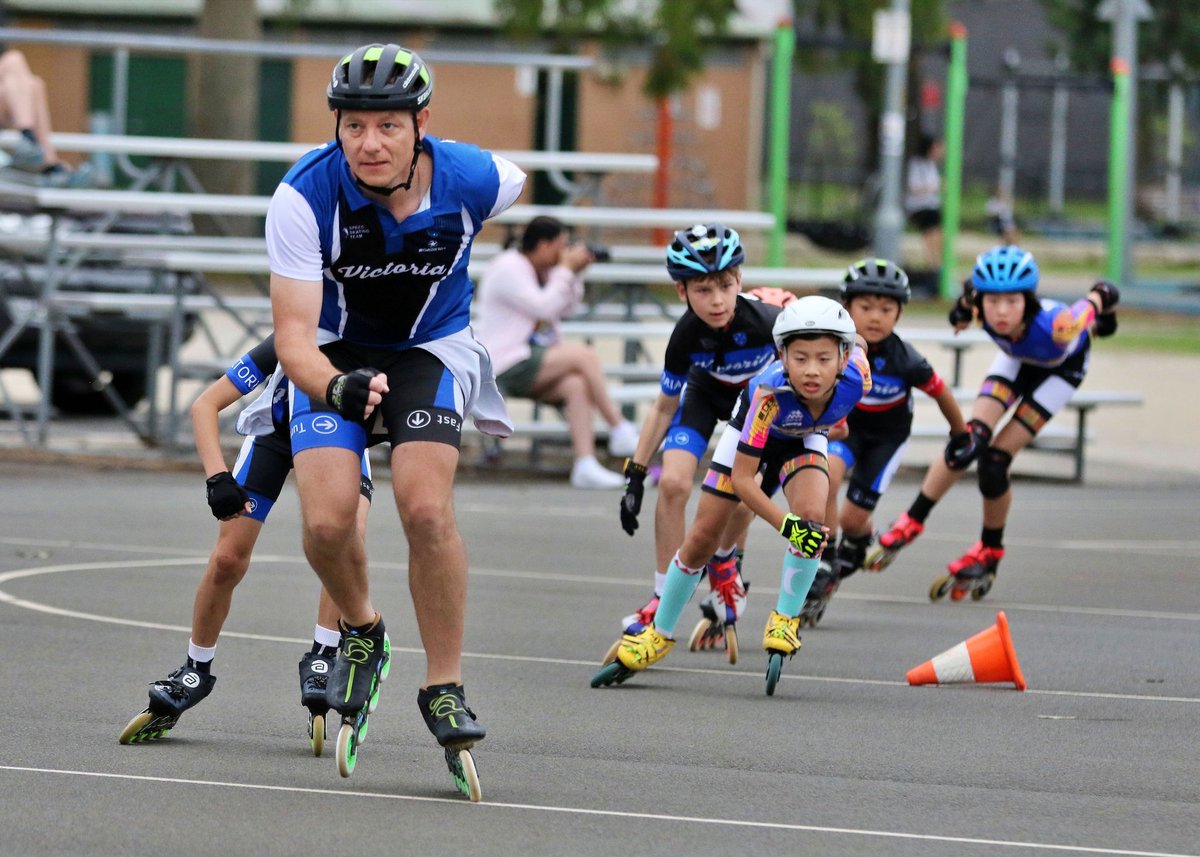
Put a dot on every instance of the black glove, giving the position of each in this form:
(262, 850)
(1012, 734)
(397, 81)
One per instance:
(631, 502)
(226, 497)
(806, 536)
(1109, 294)
(347, 394)
(962, 312)
(966, 447)
(1106, 324)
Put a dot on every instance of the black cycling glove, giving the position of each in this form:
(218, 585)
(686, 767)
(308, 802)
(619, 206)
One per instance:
(347, 394)
(226, 497)
(631, 501)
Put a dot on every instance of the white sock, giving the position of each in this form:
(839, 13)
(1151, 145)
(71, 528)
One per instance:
(660, 580)
(326, 636)
(199, 654)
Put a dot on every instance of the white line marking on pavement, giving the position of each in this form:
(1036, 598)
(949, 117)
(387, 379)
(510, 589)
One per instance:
(8, 598)
(609, 813)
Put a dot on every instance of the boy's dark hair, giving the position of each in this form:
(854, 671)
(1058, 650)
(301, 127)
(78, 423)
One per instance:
(540, 229)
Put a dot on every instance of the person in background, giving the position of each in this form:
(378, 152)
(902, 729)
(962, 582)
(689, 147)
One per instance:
(23, 106)
(923, 199)
(524, 294)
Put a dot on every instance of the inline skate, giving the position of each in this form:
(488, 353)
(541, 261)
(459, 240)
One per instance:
(721, 609)
(902, 533)
(169, 698)
(780, 638)
(315, 668)
(819, 594)
(635, 652)
(633, 624)
(457, 730)
(971, 574)
(363, 662)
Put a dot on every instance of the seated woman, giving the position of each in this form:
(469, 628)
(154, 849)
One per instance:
(524, 294)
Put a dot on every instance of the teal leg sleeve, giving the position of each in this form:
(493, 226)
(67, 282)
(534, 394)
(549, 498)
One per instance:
(677, 592)
(797, 579)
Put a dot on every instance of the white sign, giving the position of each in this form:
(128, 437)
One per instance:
(708, 108)
(892, 39)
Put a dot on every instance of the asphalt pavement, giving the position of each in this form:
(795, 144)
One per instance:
(98, 567)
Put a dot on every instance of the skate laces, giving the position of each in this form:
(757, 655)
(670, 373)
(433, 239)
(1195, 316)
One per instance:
(783, 628)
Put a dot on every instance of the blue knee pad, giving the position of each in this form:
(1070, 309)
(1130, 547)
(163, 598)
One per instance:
(993, 473)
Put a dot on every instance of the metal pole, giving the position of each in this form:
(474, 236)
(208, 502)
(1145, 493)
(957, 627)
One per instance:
(956, 97)
(781, 117)
(1124, 15)
(889, 219)
(1118, 177)
(1058, 139)
(1008, 126)
(1172, 208)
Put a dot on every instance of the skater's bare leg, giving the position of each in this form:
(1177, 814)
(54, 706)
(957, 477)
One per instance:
(328, 479)
(423, 482)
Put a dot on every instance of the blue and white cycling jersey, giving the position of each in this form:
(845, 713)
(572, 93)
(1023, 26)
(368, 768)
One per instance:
(387, 284)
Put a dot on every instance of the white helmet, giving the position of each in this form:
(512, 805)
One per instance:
(814, 314)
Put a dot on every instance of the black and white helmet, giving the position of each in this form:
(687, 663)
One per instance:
(814, 314)
(876, 277)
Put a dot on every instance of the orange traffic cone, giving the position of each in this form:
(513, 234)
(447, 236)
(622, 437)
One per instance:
(987, 657)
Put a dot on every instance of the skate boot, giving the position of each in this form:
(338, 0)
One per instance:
(169, 698)
(851, 555)
(823, 586)
(314, 680)
(456, 729)
(973, 573)
(363, 661)
(780, 638)
(903, 533)
(721, 609)
(635, 652)
(634, 623)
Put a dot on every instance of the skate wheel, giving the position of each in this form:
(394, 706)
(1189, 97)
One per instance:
(984, 587)
(133, 727)
(958, 593)
(462, 768)
(147, 726)
(774, 668)
(316, 734)
(731, 644)
(373, 702)
(611, 655)
(385, 665)
(940, 587)
(696, 641)
(614, 672)
(878, 559)
(347, 749)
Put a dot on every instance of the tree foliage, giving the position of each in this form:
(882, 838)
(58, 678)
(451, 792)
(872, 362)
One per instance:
(677, 33)
(1174, 29)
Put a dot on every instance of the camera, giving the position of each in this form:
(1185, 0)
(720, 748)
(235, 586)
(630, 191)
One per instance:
(600, 252)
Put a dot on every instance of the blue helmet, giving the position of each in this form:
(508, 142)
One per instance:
(703, 250)
(1005, 269)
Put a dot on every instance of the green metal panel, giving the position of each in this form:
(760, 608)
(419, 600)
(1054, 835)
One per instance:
(155, 105)
(274, 118)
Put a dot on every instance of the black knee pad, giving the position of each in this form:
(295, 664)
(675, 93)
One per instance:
(993, 472)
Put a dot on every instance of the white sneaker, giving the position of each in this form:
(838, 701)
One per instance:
(588, 473)
(623, 440)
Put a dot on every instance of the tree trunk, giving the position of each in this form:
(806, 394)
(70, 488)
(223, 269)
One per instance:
(223, 96)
